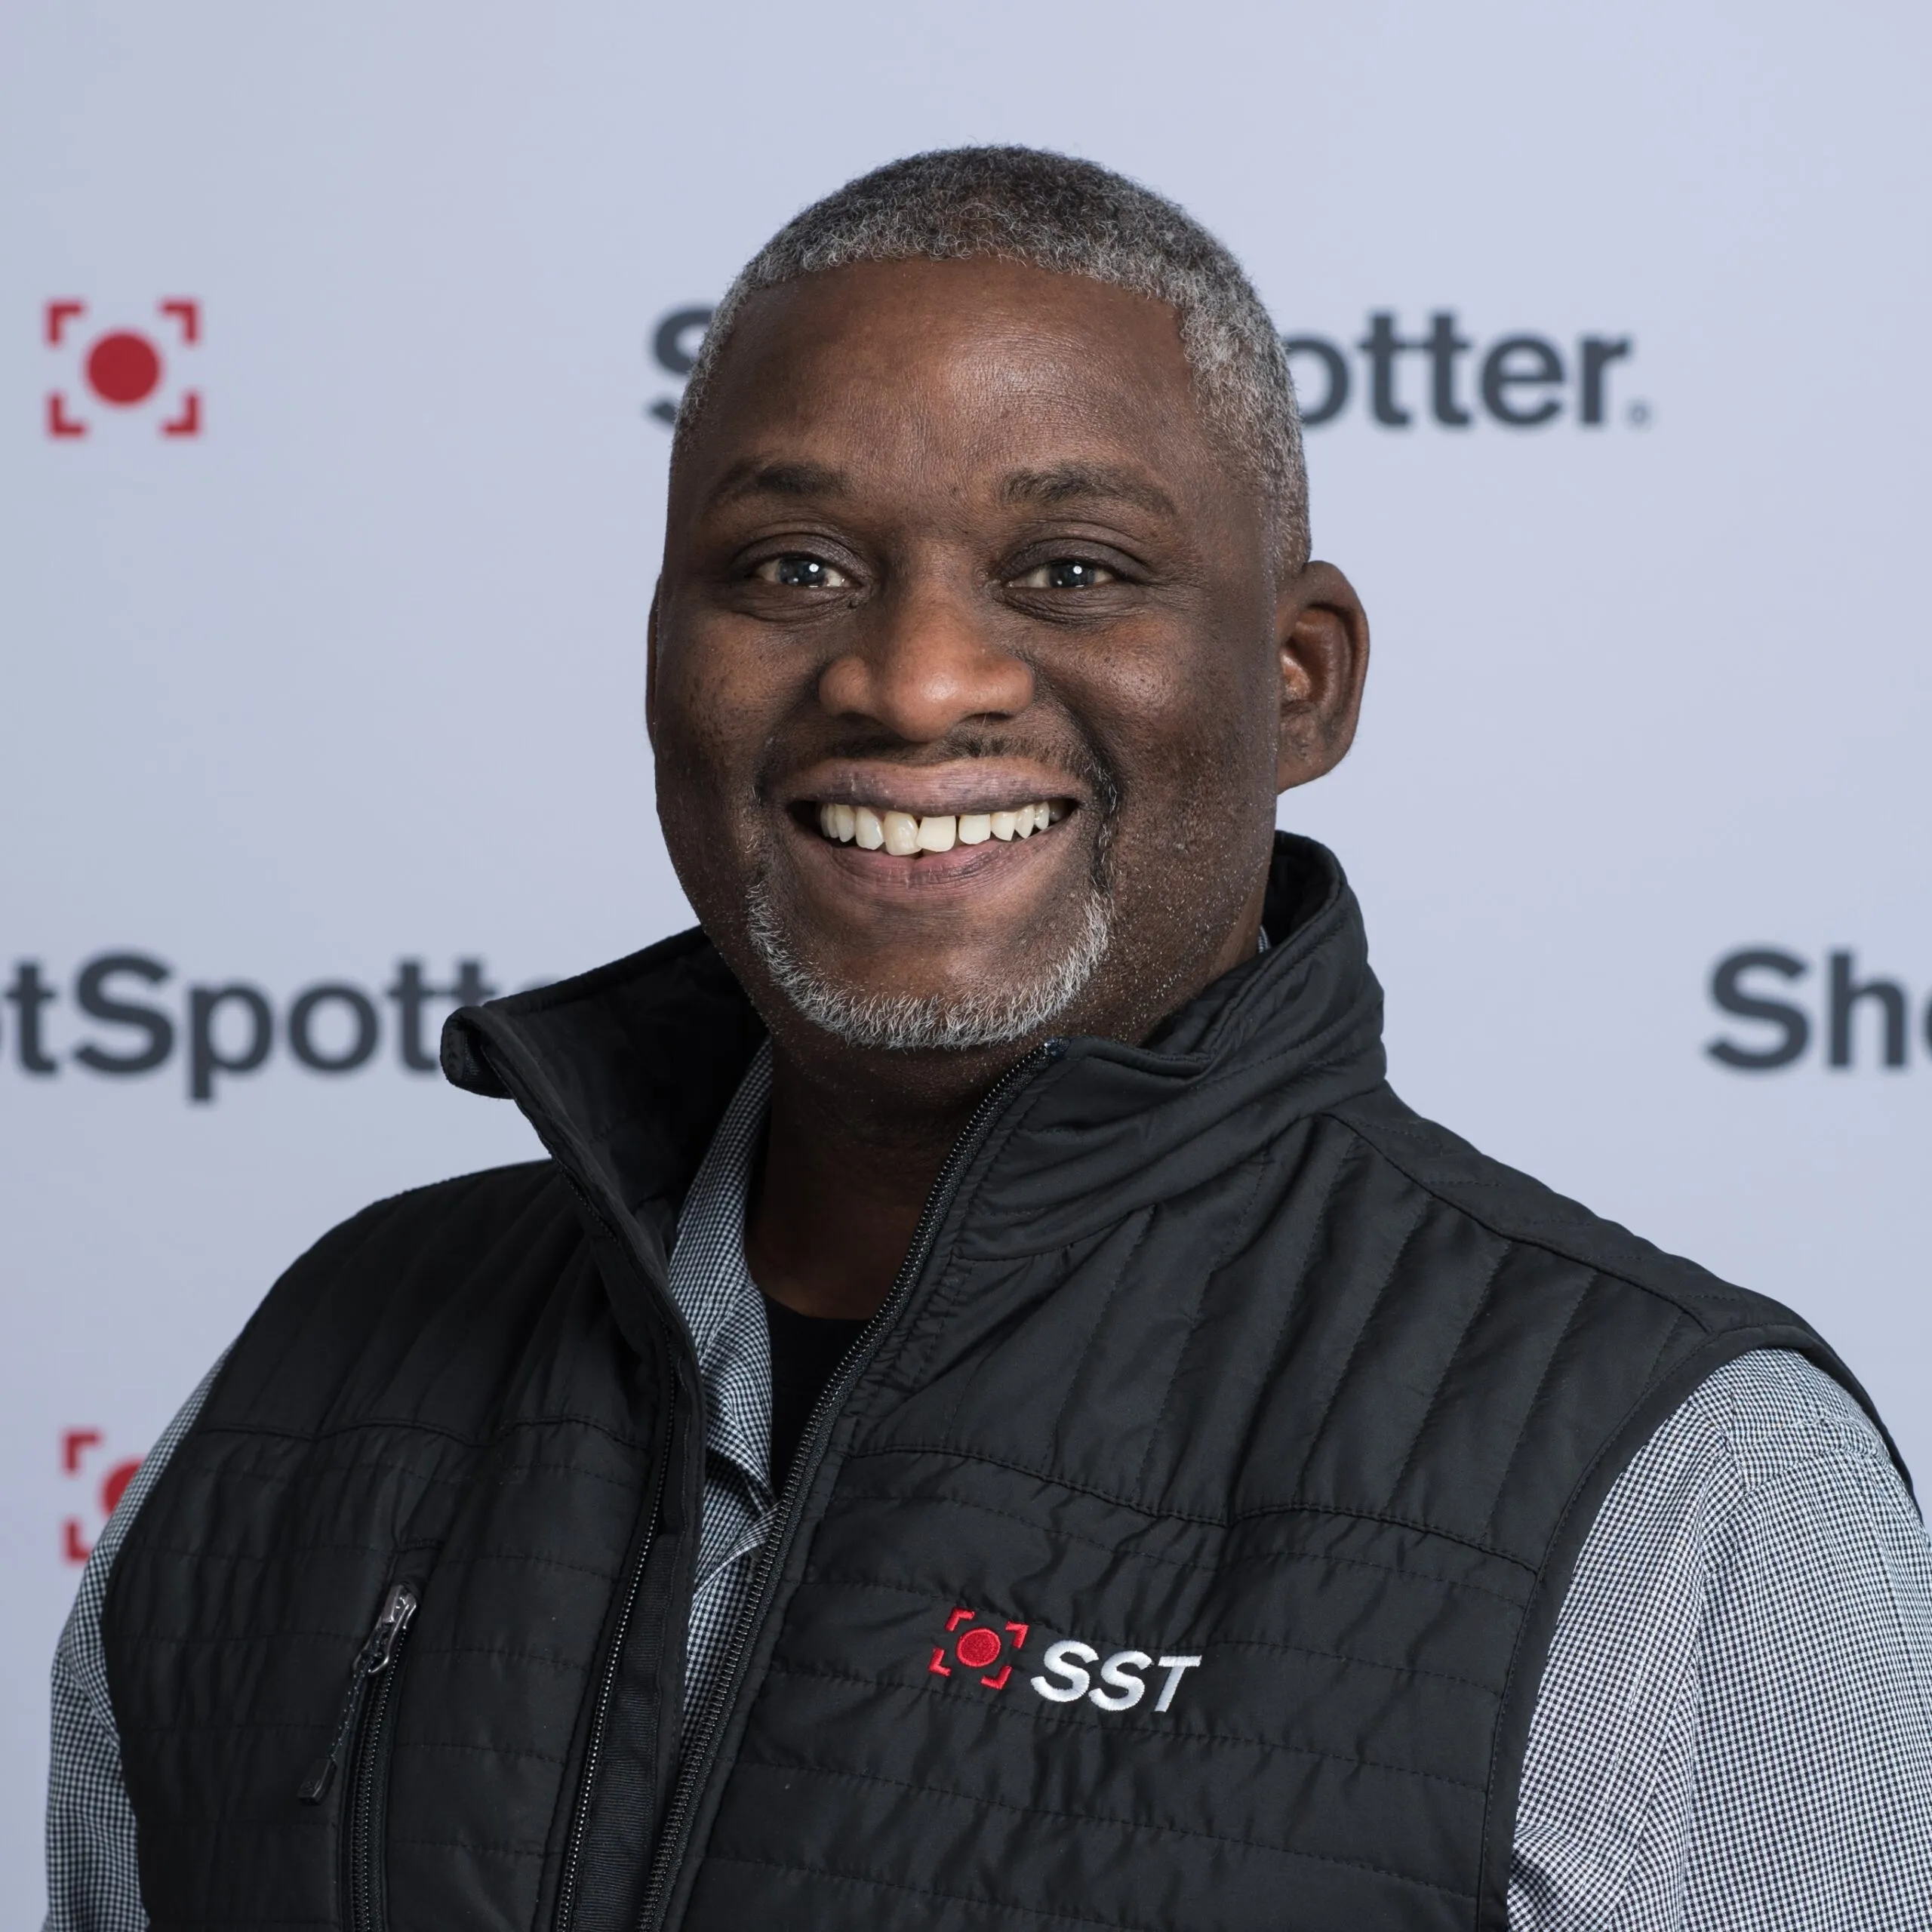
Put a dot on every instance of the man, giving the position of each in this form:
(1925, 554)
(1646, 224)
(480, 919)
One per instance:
(992, 1415)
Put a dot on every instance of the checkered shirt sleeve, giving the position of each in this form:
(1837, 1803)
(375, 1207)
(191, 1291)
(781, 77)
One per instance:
(92, 1884)
(1734, 1729)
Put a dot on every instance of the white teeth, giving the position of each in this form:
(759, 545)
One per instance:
(903, 834)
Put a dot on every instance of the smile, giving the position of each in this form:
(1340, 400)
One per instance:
(904, 834)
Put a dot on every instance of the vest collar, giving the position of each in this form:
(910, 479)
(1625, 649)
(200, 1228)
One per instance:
(626, 1071)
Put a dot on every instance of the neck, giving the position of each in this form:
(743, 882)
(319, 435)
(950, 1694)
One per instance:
(848, 1164)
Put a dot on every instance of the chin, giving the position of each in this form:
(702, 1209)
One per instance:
(972, 1006)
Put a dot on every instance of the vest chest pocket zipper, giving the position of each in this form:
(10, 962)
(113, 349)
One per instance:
(360, 1750)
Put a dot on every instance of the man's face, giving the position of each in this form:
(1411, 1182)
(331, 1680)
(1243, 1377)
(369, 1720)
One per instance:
(969, 661)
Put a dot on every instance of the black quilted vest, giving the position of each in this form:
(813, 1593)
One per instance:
(1179, 1550)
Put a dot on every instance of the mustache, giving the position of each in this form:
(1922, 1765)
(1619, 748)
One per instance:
(1084, 762)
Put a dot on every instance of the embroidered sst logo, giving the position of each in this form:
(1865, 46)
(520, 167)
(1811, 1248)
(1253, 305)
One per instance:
(1121, 1685)
(978, 1647)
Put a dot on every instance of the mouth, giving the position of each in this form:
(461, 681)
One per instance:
(906, 835)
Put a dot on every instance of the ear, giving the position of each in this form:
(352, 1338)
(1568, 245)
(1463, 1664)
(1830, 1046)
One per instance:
(1323, 632)
(650, 665)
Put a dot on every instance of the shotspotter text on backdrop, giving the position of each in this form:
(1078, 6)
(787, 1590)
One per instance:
(125, 1014)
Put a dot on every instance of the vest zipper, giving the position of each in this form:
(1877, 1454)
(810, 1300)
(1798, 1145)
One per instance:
(695, 1773)
(377, 1653)
(573, 1856)
(361, 1741)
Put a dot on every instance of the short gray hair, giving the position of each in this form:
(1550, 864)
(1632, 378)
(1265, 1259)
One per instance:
(1069, 217)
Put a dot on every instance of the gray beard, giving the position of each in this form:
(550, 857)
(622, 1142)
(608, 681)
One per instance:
(910, 1023)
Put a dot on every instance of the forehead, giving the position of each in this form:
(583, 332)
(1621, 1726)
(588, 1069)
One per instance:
(920, 372)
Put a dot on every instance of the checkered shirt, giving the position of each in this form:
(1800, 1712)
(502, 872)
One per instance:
(725, 1313)
(1734, 1729)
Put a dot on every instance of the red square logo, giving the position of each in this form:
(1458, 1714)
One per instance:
(109, 367)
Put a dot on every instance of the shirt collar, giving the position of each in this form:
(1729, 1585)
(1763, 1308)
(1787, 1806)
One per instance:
(713, 1288)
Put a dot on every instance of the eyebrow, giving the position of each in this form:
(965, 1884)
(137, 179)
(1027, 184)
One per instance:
(754, 476)
(1072, 483)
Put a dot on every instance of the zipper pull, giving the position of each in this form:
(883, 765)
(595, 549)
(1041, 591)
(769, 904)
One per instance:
(377, 1653)
(398, 1607)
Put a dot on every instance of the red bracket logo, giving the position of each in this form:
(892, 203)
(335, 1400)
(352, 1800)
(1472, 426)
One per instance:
(978, 1647)
(123, 368)
(76, 1545)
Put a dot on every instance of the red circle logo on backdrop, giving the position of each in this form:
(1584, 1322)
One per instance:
(123, 368)
(114, 1485)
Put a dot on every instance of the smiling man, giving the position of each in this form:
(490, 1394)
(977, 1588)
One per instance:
(992, 1415)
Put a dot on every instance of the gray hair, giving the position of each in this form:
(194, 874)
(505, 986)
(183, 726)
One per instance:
(1069, 217)
(996, 1015)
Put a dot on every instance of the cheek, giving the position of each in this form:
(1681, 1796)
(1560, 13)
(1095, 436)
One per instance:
(716, 705)
(1190, 731)
(713, 716)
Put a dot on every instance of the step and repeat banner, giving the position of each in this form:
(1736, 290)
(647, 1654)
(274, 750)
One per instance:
(337, 356)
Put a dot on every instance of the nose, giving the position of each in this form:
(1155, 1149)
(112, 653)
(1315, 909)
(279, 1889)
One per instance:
(926, 663)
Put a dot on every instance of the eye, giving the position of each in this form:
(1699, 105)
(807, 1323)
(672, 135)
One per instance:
(1066, 573)
(800, 573)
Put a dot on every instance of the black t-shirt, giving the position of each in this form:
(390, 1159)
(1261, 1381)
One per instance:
(805, 1350)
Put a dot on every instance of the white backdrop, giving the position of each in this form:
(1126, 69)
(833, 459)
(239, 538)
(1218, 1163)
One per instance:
(337, 666)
